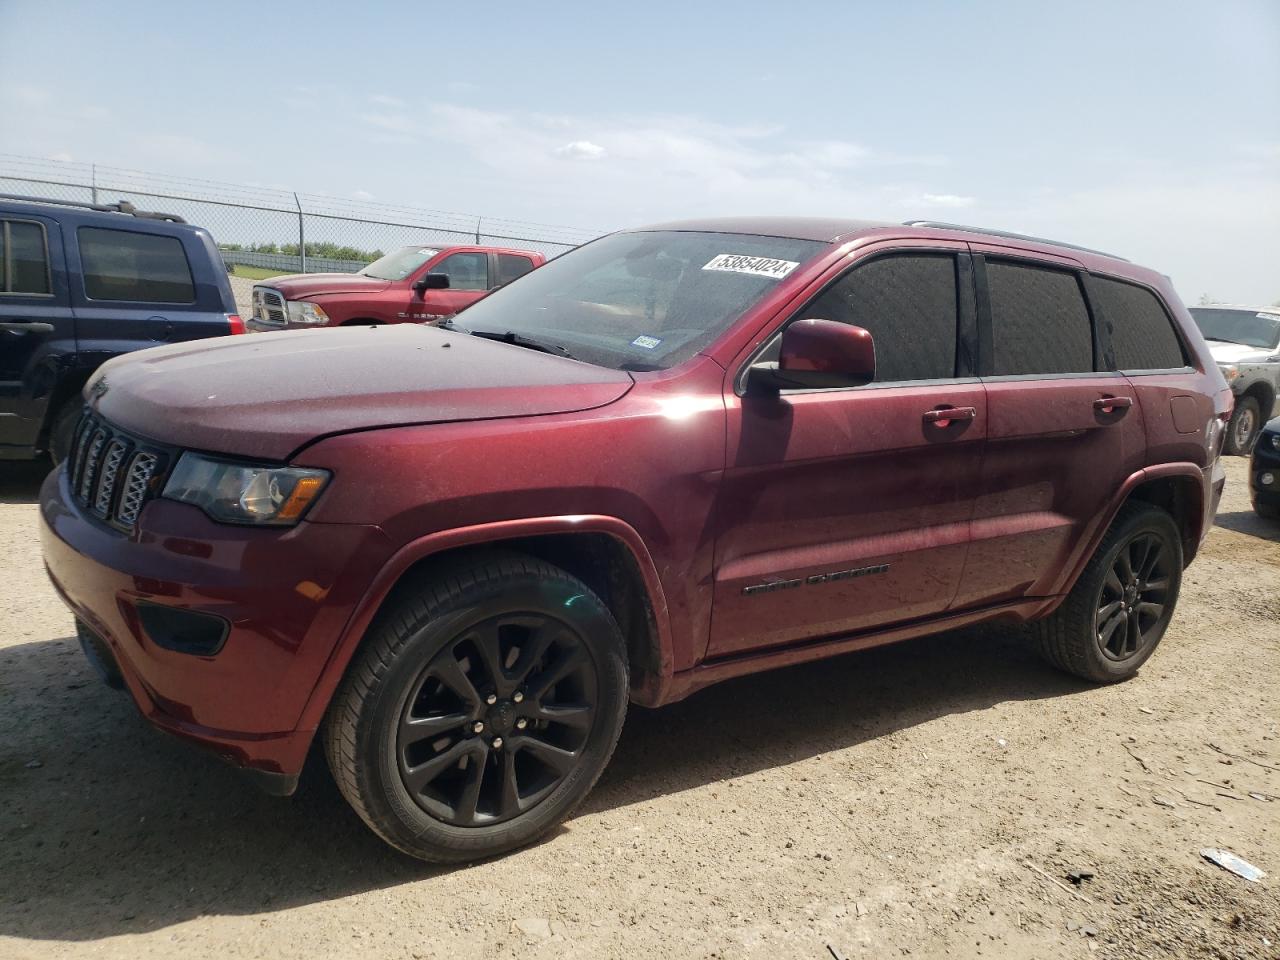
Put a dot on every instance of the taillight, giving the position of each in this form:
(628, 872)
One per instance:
(1216, 435)
(236, 324)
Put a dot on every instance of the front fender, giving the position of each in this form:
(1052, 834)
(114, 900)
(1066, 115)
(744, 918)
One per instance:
(653, 689)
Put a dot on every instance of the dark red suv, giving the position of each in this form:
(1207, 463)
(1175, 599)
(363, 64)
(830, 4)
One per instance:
(669, 457)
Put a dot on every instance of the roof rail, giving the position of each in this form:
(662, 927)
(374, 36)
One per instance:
(123, 206)
(1009, 236)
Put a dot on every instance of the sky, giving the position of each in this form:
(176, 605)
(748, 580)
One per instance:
(1148, 129)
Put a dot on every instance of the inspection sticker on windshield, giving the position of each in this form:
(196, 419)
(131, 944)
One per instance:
(756, 266)
(647, 342)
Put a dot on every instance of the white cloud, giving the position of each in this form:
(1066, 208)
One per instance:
(362, 195)
(392, 122)
(383, 100)
(951, 200)
(62, 157)
(581, 150)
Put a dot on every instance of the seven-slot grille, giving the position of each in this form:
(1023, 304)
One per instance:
(110, 474)
(268, 305)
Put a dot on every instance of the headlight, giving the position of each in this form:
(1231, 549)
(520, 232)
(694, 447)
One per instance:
(244, 492)
(303, 311)
(1229, 370)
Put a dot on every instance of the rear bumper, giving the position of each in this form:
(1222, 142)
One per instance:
(285, 597)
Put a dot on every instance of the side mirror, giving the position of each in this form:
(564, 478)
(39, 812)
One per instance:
(432, 281)
(817, 354)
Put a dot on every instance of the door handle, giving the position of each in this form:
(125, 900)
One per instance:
(943, 417)
(1112, 404)
(31, 326)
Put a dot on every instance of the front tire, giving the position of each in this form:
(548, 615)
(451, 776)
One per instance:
(481, 710)
(63, 430)
(1111, 622)
(1242, 431)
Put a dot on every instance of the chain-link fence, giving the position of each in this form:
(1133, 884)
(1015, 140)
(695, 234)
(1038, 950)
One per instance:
(276, 229)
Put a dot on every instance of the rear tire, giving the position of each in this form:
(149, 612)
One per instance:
(484, 705)
(1111, 622)
(1242, 431)
(1266, 511)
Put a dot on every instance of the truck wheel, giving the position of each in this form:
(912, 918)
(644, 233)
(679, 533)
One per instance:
(1243, 428)
(1266, 511)
(484, 705)
(63, 429)
(1119, 609)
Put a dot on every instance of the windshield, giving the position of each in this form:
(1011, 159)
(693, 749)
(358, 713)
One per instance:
(399, 264)
(1261, 330)
(640, 301)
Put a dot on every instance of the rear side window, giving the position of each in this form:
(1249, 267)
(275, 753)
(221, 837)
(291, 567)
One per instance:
(511, 266)
(134, 267)
(908, 305)
(1040, 324)
(466, 271)
(1142, 334)
(24, 258)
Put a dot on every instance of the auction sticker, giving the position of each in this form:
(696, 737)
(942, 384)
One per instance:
(756, 266)
(647, 343)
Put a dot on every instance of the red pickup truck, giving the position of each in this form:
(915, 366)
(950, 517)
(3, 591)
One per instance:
(418, 284)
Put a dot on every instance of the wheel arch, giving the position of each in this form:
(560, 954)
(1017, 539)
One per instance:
(604, 552)
(1265, 393)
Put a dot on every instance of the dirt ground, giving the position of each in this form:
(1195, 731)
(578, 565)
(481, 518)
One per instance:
(898, 802)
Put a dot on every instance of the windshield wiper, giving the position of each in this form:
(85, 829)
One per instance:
(516, 339)
(1238, 343)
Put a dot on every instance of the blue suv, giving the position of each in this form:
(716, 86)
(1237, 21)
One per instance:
(81, 283)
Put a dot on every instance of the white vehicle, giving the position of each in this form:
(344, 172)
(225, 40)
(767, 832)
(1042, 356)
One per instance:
(1245, 342)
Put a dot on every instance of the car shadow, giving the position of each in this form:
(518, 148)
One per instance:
(111, 828)
(20, 480)
(1248, 522)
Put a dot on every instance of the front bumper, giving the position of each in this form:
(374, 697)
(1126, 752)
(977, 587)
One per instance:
(285, 595)
(1265, 460)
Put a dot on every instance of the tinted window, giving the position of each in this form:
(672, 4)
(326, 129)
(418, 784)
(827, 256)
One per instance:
(1039, 320)
(1141, 332)
(908, 304)
(25, 258)
(136, 267)
(466, 271)
(511, 266)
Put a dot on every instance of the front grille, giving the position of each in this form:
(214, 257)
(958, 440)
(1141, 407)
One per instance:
(111, 473)
(268, 306)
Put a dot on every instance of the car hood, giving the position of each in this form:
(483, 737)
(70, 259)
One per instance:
(1236, 352)
(270, 394)
(298, 286)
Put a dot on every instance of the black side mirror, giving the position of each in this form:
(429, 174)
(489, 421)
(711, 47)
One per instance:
(817, 354)
(432, 281)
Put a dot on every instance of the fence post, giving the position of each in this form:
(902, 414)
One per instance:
(93, 168)
(302, 237)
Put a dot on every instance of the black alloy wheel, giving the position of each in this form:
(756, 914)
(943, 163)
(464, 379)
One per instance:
(1133, 596)
(497, 720)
